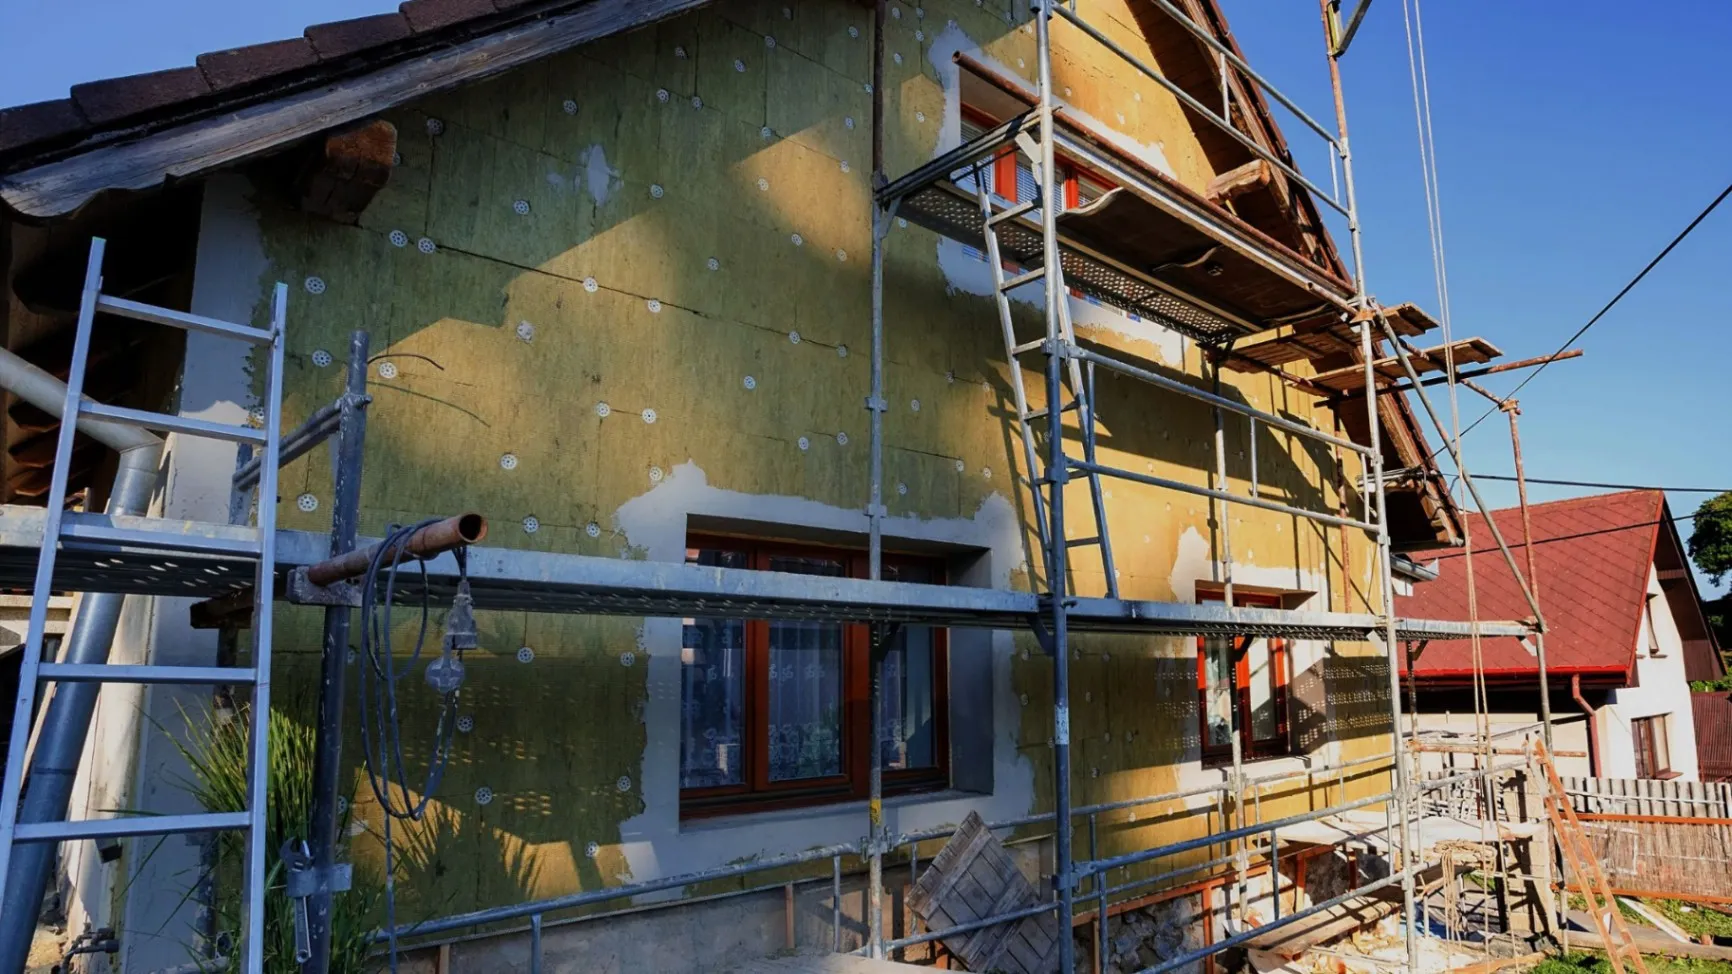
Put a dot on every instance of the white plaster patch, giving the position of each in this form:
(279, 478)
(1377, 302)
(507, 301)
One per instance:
(966, 273)
(599, 179)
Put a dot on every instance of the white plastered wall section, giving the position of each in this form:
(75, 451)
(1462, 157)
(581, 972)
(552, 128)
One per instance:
(1661, 690)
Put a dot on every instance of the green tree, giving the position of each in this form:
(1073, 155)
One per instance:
(1711, 540)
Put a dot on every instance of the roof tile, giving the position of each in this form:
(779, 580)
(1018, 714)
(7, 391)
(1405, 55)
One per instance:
(345, 37)
(425, 15)
(113, 99)
(40, 122)
(244, 65)
(1593, 556)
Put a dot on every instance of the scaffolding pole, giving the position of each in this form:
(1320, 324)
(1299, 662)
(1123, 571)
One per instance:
(1401, 817)
(1057, 475)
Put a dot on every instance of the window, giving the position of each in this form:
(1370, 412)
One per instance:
(1010, 176)
(1242, 684)
(775, 712)
(1654, 601)
(1653, 758)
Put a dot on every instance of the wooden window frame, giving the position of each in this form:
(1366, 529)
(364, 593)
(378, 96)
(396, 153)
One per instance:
(757, 792)
(1004, 181)
(1281, 666)
(1654, 750)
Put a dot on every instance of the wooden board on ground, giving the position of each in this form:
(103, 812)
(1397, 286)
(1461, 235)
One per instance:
(974, 878)
(824, 964)
(1320, 928)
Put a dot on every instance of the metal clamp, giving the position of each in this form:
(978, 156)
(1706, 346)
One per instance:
(301, 590)
(303, 879)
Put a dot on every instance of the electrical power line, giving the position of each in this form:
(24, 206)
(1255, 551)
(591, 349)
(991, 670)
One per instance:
(1609, 305)
(1589, 483)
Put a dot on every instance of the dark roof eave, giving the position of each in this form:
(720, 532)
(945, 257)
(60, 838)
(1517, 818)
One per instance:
(156, 137)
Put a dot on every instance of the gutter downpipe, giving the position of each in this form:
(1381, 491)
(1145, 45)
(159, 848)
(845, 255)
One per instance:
(66, 721)
(1593, 725)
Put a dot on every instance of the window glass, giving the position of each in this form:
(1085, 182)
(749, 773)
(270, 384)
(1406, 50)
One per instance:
(908, 704)
(712, 690)
(1089, 189)
(1217, 691)
(805, 674)
(776, 710)
(1242, 685)
(1265, 723)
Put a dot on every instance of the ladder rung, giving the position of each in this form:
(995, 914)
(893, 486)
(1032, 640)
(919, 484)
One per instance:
(1027, 347)
(1012, 213)
(1023, 278)
(1081, 542)
(1034, 414)
(86, 532)
(117, 828)
(115, 673)
(181, 319)
(173, 424)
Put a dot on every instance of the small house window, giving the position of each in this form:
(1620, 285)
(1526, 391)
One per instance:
(774, 712)
(1653, 756)
(1654, 647)
(1242, 688)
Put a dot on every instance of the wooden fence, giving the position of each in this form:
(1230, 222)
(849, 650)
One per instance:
(1646, 796)
(1669, 858)
(1713, 713)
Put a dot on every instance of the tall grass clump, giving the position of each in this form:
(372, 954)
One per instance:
(215, 747)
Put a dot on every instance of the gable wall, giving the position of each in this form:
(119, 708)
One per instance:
(579, 746)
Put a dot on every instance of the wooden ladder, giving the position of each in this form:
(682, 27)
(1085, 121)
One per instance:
(1584, 864)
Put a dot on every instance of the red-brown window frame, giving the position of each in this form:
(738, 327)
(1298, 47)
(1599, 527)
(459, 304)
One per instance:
(1004, 166)
(1280, 665)
(757, 792)
(1004, 182)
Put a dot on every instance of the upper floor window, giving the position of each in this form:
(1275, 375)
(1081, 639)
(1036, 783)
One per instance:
(1654, 602)
(775, 712)
(1010, 176)
(1242, 684)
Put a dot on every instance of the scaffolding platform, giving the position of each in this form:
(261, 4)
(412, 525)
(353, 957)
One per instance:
(1150, 246)
(105, 554)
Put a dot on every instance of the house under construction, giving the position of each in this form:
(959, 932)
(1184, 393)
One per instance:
(929, 475)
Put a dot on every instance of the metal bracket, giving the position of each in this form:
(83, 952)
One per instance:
(1043, 635)
(302, 591)
(877, 510)
(302, 879)
(313, 880)
(877, 404)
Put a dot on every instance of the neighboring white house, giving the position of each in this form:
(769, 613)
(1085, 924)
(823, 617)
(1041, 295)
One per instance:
(1625, 635)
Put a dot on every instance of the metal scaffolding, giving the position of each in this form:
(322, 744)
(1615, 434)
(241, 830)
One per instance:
(100, 552)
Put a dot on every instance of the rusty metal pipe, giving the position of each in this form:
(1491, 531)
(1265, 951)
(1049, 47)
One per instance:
(436, 538)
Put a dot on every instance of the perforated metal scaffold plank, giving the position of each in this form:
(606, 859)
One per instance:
(539, 581)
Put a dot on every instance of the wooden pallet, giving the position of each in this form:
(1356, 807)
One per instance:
(974, 878)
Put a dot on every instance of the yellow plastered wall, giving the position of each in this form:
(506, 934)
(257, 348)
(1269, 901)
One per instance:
(654, 251)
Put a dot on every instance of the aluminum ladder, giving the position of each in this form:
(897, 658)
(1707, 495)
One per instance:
(1058, 338)
(261, 546)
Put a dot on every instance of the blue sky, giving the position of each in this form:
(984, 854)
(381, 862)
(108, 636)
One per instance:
(1574, 139)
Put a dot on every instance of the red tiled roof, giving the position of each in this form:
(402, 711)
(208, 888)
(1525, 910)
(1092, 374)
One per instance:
(1594, 555)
